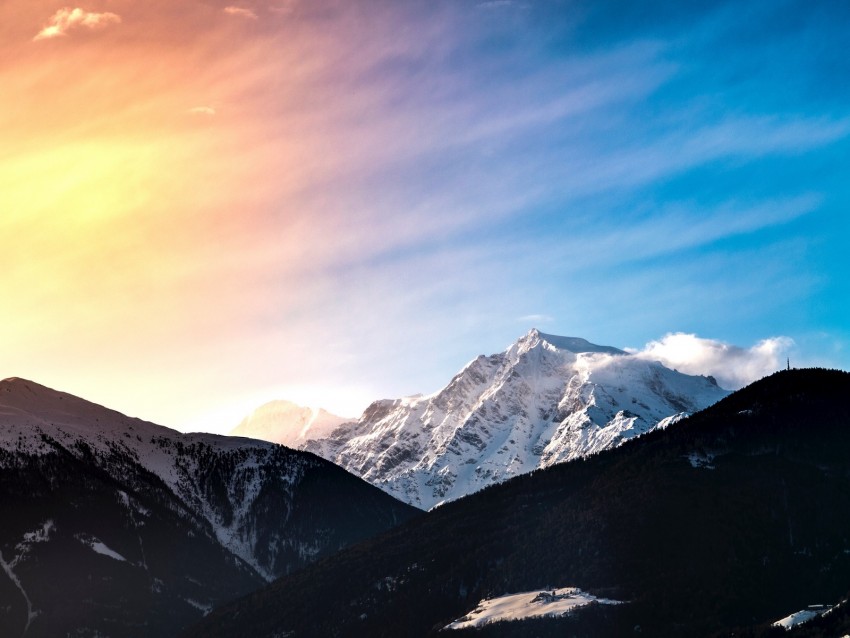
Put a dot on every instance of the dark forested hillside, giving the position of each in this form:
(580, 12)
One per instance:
(734, 517)
(110, 526)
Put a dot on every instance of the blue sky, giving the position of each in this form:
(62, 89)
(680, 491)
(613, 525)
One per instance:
(345, 201)
(624, 173)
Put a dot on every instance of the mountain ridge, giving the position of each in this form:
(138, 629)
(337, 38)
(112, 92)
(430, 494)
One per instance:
(150, 528)
(577, 345)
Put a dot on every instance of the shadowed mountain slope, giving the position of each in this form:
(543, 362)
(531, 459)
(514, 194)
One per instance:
(112, 526)
(735, 516)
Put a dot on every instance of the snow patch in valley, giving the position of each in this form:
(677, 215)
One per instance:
(531, 604)
(204, 609)
(31, 611)
(99, 547)
(39, 535)
(701, 460)
(803, 616)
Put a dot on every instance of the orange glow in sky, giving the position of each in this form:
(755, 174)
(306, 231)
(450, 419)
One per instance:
(209, 204)
(154, 163)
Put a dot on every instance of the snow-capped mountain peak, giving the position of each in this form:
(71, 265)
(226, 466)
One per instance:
(534, 338)
(544, 400)
(287, 423)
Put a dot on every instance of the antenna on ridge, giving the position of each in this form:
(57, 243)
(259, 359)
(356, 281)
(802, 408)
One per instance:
(789, 363)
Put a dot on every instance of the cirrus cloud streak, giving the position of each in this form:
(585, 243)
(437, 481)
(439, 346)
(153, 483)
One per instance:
(240, 12)
(67, 19)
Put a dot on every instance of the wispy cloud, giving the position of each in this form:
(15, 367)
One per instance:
(283, 8)
(681, 226)
(67, 19)
(501, 4)
(241, 12)
(201, 110)
(732, 366)
(447, 186)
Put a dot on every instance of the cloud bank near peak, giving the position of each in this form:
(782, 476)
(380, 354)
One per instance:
(733, 366)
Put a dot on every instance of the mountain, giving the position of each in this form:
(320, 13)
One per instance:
(545, 400)
(114, 526)
(736, 516)
(286, 423)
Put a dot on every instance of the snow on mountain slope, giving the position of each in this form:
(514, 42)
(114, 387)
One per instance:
(532, 604)
(119, 527)
(223, 479)
(286, 423)
(34, 419)
(545, 400)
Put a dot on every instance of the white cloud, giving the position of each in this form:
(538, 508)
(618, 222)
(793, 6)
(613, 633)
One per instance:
(241, 12)
(67, 19)
(732, 366)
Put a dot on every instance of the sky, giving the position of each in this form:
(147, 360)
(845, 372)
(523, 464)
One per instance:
(205, 206)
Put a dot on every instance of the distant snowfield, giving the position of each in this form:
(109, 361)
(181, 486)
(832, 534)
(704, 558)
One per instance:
(800, 617)
(530, 604)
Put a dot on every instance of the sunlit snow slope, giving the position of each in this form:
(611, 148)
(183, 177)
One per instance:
(286, 423)
(545, 400)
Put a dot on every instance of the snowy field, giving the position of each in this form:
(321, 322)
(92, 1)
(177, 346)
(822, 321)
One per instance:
(532, 604)
(800, 617)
